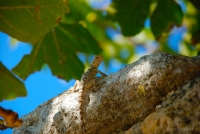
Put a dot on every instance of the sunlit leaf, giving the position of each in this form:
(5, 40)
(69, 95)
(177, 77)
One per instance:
(28, 20)
(10, 86)
(58, 49)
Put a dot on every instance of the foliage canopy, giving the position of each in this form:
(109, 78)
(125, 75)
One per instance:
(60, 29)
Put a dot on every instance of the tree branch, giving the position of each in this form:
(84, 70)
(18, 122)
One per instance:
(116, 102)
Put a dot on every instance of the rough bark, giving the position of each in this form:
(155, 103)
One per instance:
(117, 102)
(178, 114)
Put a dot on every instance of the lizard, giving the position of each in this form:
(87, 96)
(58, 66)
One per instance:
(87, 80)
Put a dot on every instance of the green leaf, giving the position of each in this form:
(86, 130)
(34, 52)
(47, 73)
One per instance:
(196, 3)
(29, 20)
(195, 30)
(165, 48)
(131, 15)
(166, 14)
(58, 49)
(10, 86)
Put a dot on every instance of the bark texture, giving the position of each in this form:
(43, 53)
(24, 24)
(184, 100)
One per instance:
(178, 114)
(116, 102)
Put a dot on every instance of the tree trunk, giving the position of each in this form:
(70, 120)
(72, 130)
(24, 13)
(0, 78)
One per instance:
(117, 102)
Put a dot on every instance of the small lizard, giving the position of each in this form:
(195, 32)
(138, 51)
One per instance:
(85, 83)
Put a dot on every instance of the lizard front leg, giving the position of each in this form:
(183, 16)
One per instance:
(102, 74)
